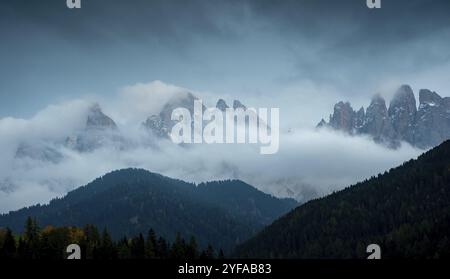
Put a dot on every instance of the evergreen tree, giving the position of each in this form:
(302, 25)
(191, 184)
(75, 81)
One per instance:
(91, 242)
(54, 241)
(208, 253)
(150, 245)
(123, 249)
(192, 249)
(22, 249)
(106, 250)
(8, 246)
(178, 250)
(221, 255)
(162, 249)
(138, 247)
(31, 239)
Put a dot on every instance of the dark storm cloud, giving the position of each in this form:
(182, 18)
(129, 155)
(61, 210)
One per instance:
(106, 20)
(359, 45)
(50, 52)
(397, 21)
(231, 46)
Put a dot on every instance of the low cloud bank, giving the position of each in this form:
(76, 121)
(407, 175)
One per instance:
(309, 163)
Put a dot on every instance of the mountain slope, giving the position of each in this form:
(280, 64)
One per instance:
(132, 201)
(406, 211)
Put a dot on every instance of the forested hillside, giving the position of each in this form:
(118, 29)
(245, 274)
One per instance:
(406, 211)
(131, 201)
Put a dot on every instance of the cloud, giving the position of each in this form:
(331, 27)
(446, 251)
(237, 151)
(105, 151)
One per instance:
(137, 102)
(309, 163)
(225, 46)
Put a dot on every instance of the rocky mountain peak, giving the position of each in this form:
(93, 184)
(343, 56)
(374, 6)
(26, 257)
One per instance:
(237, 104)
(97, 120)
(402, 112)
(427, 97)
(425, 127)
(343, 116)
(322, 124)
(100, 130)
(359, 119)
(377, 123)
(433, 120)
(377, 109)
(404, 99)
(377, 101)
(222, 105)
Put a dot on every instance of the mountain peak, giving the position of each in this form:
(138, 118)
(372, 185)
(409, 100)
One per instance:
(423, 127)
(215, 212)
(237, 104)
(361, 110)
(429, 97)
(222, 105)
(96, 119)
(343, 117)
(343, 105)
(322, 124)
(405, 88)
(377, 99)
(402, 112)
(404, 95)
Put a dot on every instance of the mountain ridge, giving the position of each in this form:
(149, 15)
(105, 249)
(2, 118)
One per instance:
(406, 211)
(131, 201)
(423, 126)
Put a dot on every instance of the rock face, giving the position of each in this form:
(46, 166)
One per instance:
(155, 124)
(237, 104)
(97, 120)
(100, 129)
(359, 120)
(343, 117)
(425, 127)
(377, 122)
(402, 113)
(161, 125)
(433, 119)
(39, 151)
(222, 105)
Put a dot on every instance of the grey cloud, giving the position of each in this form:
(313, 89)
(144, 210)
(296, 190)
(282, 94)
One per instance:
(247, 48)
(309, 163)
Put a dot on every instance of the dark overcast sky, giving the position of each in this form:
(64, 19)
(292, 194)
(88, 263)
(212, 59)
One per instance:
(49, 53)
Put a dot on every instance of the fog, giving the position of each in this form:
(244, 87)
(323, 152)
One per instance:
(310, 162)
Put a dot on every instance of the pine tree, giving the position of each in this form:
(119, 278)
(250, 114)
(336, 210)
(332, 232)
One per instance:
(123, 249)
(91, 242)
(192, 249)
(162, 249)
(150, 245)
(178, 250)
(31, 230)
(8, 247)
(208, 253)
(221, 255)
(106, 250)
(138, 247)
(31, 239)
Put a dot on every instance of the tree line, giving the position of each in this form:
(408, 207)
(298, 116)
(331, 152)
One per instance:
(51, 243)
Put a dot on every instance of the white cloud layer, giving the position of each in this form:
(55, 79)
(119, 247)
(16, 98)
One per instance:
(309, 162)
